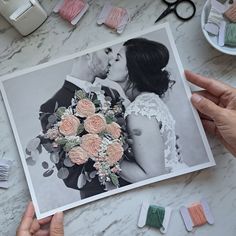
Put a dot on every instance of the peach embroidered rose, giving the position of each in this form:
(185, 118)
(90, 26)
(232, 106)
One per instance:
(114, 153)
(95, 124)
(69, 125)
(91, 144)
(85, 108)
(114, 129)
(78, 155)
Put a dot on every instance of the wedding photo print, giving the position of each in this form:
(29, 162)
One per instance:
(104, 121)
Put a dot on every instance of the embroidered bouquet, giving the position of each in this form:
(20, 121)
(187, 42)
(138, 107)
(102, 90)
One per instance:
(89, 129)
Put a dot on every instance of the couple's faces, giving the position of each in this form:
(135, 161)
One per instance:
(102, 59)
(118, 71)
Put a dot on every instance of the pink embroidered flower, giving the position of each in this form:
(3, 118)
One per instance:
(114, 153)
(78, 155)
(85, 108)
(114, 129)
(97, 165)
(69, 125)
(95, 124)
(91, 144)
(115, 170)
(52, 133)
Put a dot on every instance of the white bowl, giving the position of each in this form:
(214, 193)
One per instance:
(213, 40)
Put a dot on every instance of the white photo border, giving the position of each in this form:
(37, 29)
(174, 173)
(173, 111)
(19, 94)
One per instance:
(128, 187)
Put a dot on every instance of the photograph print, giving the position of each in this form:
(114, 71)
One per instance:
(104, 121)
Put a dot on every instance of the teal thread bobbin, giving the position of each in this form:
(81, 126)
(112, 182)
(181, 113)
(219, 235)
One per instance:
(155, 216)
(230, 35)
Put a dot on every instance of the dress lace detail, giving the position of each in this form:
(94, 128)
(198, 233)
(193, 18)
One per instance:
(151, 105)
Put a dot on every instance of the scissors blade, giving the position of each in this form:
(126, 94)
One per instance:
(164, 13)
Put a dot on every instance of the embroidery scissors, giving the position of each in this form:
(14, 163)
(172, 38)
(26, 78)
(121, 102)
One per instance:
(175, 6)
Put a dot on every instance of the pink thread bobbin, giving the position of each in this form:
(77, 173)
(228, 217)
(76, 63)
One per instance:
(113, 17)
(71, 10)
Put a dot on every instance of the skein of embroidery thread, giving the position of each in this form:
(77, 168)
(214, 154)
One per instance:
(197, 214)
(154, 216)
(71, 10)
(113, 17)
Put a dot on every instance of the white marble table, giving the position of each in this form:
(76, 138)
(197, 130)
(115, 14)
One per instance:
(117, 215)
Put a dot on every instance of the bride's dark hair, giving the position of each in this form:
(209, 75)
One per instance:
(146, 62)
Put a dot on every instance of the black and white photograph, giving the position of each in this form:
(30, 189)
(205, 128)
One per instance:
(105, 121)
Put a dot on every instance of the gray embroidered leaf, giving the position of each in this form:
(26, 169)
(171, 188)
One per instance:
(81, 181)
(30, 161)
(54, 157)
(56, 106)
(87, 177)
(45, 165)
(40, 149)
(92, 174)
(33, 144)
(48, 173)
(52, 119)
(63, 173)
(35, 155)
(68, 162)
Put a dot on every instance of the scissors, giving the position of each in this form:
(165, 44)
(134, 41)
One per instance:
(172, 6)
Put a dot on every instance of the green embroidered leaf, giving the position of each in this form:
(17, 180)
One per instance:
(114, 179)
(61, 141)
(60, 111)
(109, 119)
(80, 94)
(80, 129)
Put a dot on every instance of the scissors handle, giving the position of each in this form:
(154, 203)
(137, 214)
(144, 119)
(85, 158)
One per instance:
(169, 9)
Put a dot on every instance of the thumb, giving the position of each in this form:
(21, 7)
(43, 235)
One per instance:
(206, 107)
(57, 227)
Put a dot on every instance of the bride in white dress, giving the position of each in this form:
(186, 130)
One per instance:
(139, 69)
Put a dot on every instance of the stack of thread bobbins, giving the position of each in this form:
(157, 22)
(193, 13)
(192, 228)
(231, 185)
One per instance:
(197, 214)
(113, 17)
(71, 10)
(154, 216)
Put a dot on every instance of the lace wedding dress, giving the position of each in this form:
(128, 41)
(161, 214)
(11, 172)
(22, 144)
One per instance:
(151, 105)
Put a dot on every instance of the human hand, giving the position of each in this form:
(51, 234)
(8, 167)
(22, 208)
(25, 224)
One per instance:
(217, 107)
(30, 226)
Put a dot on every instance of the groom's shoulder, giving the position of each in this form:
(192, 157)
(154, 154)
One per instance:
(62, 97)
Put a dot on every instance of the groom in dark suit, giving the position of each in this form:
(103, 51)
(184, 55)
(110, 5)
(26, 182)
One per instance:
(84, 72)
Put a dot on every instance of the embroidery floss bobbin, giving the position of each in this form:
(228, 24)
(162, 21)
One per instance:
(215, 17)
(227, 34)
(5, 166)
(154, 216)
(71, 10)
(197, 214)
(113, 17)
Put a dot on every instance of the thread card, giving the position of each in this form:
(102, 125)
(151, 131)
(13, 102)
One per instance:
(143, 217)
(61, 6)
(5, 166)
(108, 13)
(189, 221)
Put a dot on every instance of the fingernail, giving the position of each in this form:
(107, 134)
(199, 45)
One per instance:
(59, 217)
(196, 98)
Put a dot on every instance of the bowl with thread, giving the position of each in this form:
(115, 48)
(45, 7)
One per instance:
(213, 40)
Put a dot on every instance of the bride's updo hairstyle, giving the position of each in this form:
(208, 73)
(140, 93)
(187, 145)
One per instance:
(146, 62)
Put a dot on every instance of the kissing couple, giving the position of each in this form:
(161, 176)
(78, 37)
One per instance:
(136, 76)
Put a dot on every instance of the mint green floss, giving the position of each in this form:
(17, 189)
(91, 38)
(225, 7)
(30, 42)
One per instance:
(155, 216)
(230, 35)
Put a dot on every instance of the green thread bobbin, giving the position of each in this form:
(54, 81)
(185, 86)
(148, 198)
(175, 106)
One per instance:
(155, 216)
(230, 35)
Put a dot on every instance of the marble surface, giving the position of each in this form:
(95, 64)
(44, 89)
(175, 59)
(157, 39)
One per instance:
(117, 215)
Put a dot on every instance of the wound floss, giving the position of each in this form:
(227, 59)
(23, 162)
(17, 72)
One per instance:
(71, 10)
(5, 166)
(113, 17)
(230, 14)
(227, 34)
(154, 216)
(197, 214)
